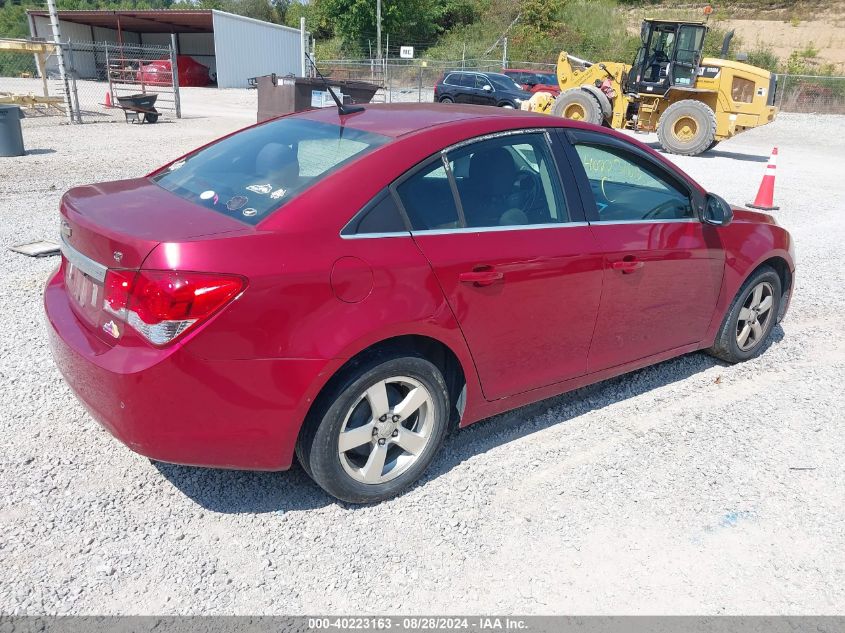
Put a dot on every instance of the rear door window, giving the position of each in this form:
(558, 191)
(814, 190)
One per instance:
(256, 171)
(467, 80)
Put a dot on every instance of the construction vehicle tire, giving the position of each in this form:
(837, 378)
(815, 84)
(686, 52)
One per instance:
(687, 127)
(578, 105)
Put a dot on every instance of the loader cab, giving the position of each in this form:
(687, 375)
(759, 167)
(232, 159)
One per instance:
(669, 56)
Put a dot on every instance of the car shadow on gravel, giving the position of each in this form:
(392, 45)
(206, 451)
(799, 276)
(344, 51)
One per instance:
(237, 492)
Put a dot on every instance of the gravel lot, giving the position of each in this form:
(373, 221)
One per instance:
(689, 487)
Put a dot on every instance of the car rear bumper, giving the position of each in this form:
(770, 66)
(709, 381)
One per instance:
(170, 405)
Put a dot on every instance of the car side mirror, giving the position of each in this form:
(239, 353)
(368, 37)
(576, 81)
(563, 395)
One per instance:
(487, 88)
(717, 212)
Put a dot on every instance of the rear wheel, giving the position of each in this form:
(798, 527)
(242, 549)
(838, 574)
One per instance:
(377, 430)
(446, 100)
(687, 127)
(751, 318)
(578, 105)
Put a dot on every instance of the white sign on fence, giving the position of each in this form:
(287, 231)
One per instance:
(406, 52)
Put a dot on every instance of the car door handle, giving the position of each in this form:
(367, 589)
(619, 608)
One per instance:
(627, 266)
(481, 277)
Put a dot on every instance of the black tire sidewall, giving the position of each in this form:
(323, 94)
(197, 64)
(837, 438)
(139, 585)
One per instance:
(321, 459)
(704, 118)
(447, 100)
(592, 108)
(726, 346)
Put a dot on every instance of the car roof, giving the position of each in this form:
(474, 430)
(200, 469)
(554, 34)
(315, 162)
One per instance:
(399, 119)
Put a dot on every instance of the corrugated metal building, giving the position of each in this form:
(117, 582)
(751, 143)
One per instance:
(234, 47)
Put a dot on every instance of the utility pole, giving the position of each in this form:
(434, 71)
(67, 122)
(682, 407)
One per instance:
(60, 57)
(303, 65)
(378, 28)
(505, 53)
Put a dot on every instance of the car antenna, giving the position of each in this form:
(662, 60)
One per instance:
(341, 109)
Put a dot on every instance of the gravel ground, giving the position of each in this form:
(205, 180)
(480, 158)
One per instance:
(688, 487)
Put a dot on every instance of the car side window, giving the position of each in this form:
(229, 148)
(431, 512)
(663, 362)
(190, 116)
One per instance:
(467, 80)
(381, 215)
(508, 181)
(481, 81)
(451, 80)
(627, 188)
(428, 200)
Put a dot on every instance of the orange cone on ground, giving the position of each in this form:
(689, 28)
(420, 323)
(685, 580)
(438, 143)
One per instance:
(107, 102)
(765, 199)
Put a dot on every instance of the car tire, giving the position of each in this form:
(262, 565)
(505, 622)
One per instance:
(578, 105)
(446, 100)
(363, 406)
(687, 128)
(509, 106)
(738, 338)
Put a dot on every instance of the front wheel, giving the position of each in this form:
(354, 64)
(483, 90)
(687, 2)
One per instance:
(377, 430)
(687, 127)
(578, 105)
(750, 319)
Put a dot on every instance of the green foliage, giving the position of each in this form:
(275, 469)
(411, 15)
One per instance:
(763, 57)
(408, 22)
(809, 51)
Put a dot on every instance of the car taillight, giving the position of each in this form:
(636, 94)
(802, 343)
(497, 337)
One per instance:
(161, 304)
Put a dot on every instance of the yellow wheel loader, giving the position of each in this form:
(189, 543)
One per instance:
(692, 102)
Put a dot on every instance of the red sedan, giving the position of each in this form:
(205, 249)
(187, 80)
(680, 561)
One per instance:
(345, 288)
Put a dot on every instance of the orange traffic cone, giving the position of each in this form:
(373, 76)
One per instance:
(766, 193)
(107, 102)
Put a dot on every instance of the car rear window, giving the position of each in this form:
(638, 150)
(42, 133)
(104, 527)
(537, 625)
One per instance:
(254, 172)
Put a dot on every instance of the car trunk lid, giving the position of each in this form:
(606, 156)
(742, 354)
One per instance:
(115, 225)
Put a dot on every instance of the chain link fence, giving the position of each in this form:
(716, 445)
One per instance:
(413, 80)
(808, 93)
(98, 74)
(410, 80)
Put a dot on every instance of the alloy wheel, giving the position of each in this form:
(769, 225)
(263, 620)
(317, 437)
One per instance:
(754, 316)
(386, 430)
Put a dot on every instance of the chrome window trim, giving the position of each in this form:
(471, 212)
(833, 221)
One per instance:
(503, 133)
(83, 262)
(648, 221)
(369, 236)
(493, 229)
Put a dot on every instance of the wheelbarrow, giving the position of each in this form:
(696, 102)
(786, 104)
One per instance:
(139, 108)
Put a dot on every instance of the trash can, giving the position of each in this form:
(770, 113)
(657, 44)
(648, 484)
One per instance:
(11, 138)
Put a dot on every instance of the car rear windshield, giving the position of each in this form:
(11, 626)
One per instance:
(252, 173)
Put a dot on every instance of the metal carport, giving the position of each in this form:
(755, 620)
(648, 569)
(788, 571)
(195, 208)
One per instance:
(234, 47)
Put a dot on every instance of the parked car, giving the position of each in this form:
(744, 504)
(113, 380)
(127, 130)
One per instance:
(347, 288)
(534, 80)
(495, 89)
(160, 73)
